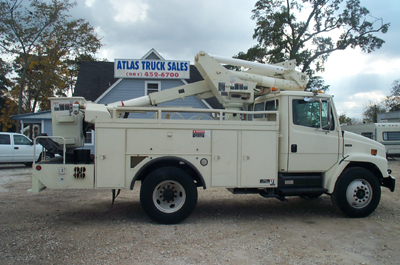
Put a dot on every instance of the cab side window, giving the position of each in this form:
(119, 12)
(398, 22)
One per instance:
(5, 139)
(21, 140)
(308, 113)
(258, 107)
(272, 105)
(369, 135)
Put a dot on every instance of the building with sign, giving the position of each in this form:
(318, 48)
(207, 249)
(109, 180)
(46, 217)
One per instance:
(107, 82)
(123, 79)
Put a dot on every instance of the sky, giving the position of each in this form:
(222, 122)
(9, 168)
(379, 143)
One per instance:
(179, 29)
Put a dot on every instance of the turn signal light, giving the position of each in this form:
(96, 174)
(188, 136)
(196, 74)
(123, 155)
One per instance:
(374, 152)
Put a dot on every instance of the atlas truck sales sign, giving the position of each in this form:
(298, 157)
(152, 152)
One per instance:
(159, 69)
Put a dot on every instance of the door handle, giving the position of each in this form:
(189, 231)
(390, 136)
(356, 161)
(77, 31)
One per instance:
(16, 148)
(293, 148)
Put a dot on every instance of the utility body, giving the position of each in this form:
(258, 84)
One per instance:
(273, 138)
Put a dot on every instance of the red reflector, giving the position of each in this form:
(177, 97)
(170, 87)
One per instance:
(38, 168)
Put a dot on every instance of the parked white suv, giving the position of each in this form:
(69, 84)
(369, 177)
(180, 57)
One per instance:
(17, 148)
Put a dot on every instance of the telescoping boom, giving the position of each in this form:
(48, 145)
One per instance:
(233, 89)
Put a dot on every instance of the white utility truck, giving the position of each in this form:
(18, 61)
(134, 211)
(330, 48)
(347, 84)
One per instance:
(272, 139)
(386, 133)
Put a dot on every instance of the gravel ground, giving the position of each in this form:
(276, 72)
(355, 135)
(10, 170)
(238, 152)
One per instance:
(77, 227)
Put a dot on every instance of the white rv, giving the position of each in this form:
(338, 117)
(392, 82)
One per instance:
(387, 134)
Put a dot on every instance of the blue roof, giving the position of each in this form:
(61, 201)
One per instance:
(43, 115)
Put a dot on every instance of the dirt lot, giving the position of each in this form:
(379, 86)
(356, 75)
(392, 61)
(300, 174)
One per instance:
(77, 227)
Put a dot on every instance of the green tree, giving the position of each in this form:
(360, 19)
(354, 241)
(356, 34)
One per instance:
(282, 34)
(7, 124)
(372, 109)
(71, 67)
(343, 119)
(5, 69)
(44, 79)
(7, 104)
(27, 26)
(392, 101)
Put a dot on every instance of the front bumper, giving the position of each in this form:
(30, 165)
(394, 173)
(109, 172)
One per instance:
(389, 182)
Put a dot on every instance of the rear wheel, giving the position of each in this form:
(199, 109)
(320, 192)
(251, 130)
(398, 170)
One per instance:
(357, 192)
(168, 195)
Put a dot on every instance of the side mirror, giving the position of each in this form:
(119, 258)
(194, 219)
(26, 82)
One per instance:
(327, 125)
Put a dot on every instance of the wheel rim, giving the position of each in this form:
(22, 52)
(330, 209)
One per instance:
(169, 196)
(359, 193)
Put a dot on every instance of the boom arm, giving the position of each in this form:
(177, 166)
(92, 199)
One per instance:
(233, 89)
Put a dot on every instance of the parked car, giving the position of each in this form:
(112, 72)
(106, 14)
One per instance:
(17, 148)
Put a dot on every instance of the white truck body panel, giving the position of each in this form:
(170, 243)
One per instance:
(65, 176)
(233, 153)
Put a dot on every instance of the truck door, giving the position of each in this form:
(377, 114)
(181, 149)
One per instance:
(313, 136)
(7, 150)
(23, 149)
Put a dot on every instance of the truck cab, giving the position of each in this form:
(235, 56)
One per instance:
(310, 138)
(18, 148)
(313, 150)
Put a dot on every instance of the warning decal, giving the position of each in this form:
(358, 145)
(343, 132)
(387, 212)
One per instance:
(201, 134)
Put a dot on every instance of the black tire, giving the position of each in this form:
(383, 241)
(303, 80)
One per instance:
(168, 195)
(357, 192)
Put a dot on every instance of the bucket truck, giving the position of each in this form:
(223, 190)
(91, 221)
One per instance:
(272, 138)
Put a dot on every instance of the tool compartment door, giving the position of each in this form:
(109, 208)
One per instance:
(224, 158)
(110, 158)
(259, 159)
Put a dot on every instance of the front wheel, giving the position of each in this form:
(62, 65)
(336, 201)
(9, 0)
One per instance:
(357, 192)
(168, 195)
